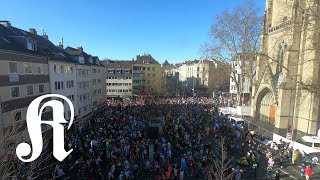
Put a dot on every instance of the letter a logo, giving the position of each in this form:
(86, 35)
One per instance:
(34, 127)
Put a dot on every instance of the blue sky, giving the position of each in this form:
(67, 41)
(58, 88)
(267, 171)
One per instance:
(122, 29)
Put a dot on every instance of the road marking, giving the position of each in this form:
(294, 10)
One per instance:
(284, 172)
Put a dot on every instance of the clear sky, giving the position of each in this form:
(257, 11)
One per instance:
(122, 29)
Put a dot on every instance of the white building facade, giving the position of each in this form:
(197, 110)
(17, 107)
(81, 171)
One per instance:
(238, 78)
(119, 82)
(63, 81)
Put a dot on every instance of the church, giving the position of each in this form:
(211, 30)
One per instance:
(285, 95)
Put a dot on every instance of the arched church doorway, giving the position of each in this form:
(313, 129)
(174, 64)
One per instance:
(265, 110)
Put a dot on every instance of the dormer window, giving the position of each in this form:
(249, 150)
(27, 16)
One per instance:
(81, 60)
(31, 45)
(97, 62)
(90, 60)
(146, 62)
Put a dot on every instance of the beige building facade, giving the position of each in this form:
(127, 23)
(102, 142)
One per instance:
(284, 97)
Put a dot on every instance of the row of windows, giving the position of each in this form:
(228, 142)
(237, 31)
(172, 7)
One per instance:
(94, 81)
(144, 68)
(13, 68)
(15, 90)
(118, 84)
(94, 71)
(118, 71)
(61, 69)
(115, 77)
(95, 92)
(83, 73)
(119, 90)
(17, 114)
(83, 85)
(84, 97)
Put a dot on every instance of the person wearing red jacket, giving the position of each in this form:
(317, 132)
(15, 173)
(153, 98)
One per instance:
(308, 172)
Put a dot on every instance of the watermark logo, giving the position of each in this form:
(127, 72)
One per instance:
(34, 128)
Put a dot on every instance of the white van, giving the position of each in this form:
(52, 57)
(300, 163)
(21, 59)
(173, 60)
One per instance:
(236, 122)
(307, 144)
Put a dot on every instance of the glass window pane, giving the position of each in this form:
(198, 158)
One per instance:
(13, 67)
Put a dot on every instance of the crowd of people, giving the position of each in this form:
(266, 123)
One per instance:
(166, 139)
(122, 143)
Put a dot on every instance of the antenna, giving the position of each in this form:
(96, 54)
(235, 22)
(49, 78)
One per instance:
(43, 33)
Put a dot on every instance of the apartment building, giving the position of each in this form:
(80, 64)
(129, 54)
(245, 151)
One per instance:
(118, 79)
(98, 77)
(24, 75)
(90, 81)
(137, 82)
(62, 70)
(196, 72)
(240, 76)
(149, 70)
(83, 81)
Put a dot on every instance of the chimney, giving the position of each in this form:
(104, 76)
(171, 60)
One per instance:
(45, 36)
(80, 49)
(33, 31)
(6, 23)
(61, 44)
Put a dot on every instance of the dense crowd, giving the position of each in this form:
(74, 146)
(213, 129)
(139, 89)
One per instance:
(120, 145)
(167, 139)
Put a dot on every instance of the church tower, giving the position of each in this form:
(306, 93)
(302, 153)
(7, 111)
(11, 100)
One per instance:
(287, 62)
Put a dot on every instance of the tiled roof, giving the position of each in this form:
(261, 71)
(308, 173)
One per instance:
(15, 39)
(148, 57)
(124, 64)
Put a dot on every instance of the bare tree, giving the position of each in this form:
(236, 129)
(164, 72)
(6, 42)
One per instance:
(222, 163)
(11, 167)
(236, 34)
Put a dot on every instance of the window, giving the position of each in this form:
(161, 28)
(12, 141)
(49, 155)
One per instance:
(15, 92)
(99, 91)
(70, 84)
(29, 45)
(69, 69)
(41, 88)
(153, 69)
(79, 72)
(94, 92)
(143, 68)
(29, 90)
(94, 82)
(94, 71)
(58, 85)
(17, 115)
(27, 68)
(40, 69)
(99, 81)
(149, 68)
(13, 67)
(58, 69)
(83, 72)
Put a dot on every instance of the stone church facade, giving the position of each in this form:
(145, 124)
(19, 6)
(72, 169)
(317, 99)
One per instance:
(286, 89)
